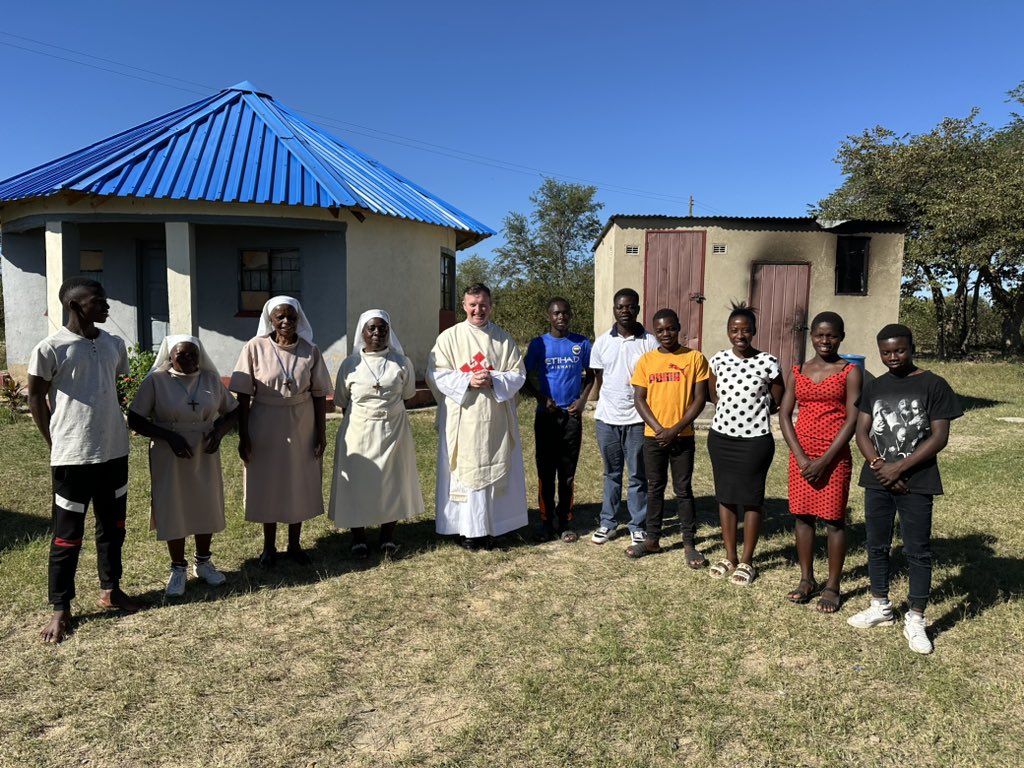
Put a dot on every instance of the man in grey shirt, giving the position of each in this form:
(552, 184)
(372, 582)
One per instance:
(72, 394)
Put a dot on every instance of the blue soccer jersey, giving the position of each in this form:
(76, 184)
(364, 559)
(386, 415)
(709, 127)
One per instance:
(559, 365)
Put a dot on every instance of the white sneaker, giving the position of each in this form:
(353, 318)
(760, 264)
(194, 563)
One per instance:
(602, 535)
(208, 572)
(638, 537)
(878, 614)
(176, 583)
(914, 631)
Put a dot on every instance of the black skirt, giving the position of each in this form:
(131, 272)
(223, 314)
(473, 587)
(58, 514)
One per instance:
(740, 466)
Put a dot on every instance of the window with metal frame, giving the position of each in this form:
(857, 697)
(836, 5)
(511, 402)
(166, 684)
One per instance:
(852, 265)
(268, 272)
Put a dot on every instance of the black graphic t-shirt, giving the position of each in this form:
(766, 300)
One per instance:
(902, 410)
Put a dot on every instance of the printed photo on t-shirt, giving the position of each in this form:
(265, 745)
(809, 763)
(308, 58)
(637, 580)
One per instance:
(898, 427)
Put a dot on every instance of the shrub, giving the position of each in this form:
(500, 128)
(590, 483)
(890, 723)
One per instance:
(139, 363)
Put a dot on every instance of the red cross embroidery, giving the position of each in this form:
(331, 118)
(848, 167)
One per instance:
(477, 363)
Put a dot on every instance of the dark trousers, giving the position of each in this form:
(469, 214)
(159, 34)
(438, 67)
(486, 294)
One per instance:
(74, 486)
(658, 460)
(915, 511)
(558, 437)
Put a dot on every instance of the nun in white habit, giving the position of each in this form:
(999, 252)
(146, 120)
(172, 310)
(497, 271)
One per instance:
(375, 477)
(185, 410)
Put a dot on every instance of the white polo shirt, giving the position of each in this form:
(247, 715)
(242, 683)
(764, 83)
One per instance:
(86, 423)
(616, 356)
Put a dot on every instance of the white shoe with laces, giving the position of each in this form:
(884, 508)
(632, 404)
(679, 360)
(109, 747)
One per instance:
(602, 535)
(916, 634)
(638, 537)
(207, 571)
(177, 580)
(878, 614)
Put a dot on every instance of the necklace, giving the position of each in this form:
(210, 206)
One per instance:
(190, 396)
(289, 376)
(377, 376)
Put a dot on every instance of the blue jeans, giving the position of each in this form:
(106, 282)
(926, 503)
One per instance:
(621, 446)
(915, 511)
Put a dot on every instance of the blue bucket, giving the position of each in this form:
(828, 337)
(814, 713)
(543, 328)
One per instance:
(857, 360)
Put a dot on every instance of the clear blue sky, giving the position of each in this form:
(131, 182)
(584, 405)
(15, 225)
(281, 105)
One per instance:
(741, 104)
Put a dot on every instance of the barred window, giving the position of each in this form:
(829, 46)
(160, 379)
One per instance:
(448, 291)
(268, 272)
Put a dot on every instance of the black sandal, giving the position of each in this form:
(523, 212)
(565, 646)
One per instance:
(827, 604)
(801, 596)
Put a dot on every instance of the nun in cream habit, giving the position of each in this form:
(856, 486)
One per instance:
(375, 477)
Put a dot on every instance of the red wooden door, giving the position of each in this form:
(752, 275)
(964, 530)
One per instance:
(674, 278)
(778, 293)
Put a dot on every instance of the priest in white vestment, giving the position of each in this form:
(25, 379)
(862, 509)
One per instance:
(475, 370)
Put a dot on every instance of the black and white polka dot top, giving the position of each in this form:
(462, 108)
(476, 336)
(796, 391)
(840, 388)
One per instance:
(744, 397)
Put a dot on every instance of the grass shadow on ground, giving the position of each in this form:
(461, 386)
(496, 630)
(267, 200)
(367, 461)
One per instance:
(982, 581)
(17, 527)
(970, 403)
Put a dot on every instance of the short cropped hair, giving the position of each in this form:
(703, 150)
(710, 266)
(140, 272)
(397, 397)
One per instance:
(556, 299)
(666, 313)
(626, 292)
(74, 285)
(832, 318)
(895, 331)
(476, 289)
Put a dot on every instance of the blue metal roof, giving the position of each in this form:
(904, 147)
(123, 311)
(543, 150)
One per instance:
(240, 146)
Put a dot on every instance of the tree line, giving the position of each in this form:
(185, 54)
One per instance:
(960, 190)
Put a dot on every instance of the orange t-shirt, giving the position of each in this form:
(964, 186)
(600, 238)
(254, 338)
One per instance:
(669, 379)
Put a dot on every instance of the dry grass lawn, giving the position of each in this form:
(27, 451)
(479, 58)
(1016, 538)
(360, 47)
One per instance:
(536, 655)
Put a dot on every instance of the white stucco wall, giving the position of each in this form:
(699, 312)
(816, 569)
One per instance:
(396, 265)
(24, 278)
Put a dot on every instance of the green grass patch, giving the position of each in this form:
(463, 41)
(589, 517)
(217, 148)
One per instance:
(549, 655)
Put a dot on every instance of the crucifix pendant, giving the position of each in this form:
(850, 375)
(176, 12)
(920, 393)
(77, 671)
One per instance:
(376, 387)
(193, 403)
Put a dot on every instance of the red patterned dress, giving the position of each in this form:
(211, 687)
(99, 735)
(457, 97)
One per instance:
(821, 415)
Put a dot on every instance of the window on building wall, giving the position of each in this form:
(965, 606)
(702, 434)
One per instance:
(268, 272)
(90, 264)
(448, 290)
(852, 265)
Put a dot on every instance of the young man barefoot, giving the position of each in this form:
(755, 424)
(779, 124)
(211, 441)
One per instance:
(901, 475)
(72, 393)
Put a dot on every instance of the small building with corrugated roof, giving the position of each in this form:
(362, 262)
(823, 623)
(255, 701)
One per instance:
(788, 268)
(194, 219)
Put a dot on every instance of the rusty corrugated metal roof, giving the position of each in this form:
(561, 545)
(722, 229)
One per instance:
(761, 222)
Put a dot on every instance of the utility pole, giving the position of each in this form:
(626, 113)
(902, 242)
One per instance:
(691, 205)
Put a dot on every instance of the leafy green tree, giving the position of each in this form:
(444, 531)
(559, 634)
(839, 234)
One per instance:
(960, 188)
(547, 253)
